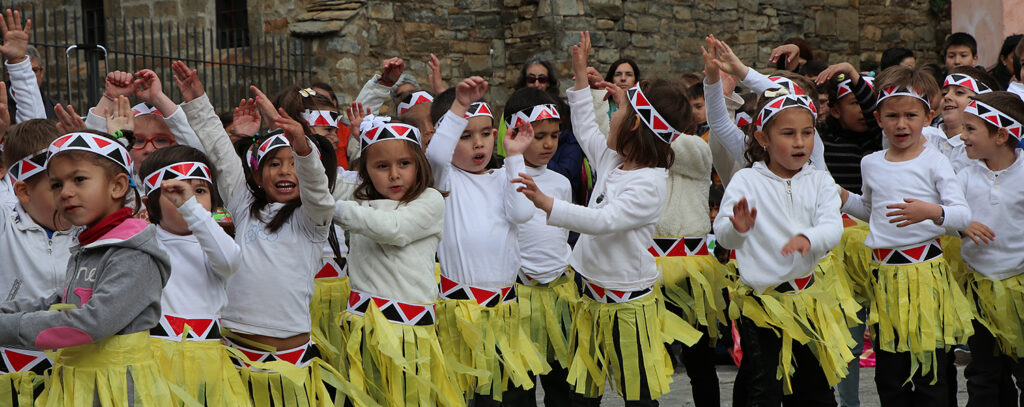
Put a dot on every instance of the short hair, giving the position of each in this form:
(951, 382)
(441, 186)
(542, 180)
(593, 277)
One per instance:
(963, 39)
(525, 98)
(694, 91)
(28, 138)
(1009, 104)
(169, 156)
(442, 102)
(33, 53)
(812, 68)
(978, 74)
(690, 79)
(916, 78)
(620, 61)
(893, 56)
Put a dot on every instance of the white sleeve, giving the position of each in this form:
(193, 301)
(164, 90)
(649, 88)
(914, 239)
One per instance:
(181, 130)
(640, 203)
(217, 143)
(222, 253)
(601, 108)
(725, 233)
(442, 146)
(25, 91)
(859, 206)
(757, 82)
(518, 208)
(584, 127)
(720, 123)
(954, 205)
(93, 121)
(373, 95)
(405, 224)
(317, 202)
(828, 226)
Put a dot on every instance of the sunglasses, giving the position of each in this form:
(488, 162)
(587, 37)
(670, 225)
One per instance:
(536, 79)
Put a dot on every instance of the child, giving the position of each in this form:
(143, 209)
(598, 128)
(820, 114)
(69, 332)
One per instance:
(100, 321)
(962, 83)
(993, 125)
(545, 291)
(282, 216)
(619, 328)
(917, 311)
(35, 245)
(391, 348)
(478, 319)
(415, 109)
(850, 131)
(961, 49)
(792, 332)
(178, 182)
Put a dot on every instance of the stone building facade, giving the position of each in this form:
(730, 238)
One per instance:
(492, 38)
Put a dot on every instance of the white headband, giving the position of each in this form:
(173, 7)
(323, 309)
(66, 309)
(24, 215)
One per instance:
(966, 81)
(321, 118)
(532, 114)
(93, 143)
(179, 171)
(783, 100)
(894, 91)
(26, 167)
(995, 117)
(650, 116)
(415, 99)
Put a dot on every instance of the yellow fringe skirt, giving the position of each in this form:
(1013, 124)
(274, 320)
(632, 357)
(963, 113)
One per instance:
(487, 347)
(615, 337)
(814, 317)
(22, 372)
(694, 284)
(396, 364)
(101, 370)
(999, 306)
(857, 263)
(545, 311)
(330, 297)
(919, 308)
(203, 369)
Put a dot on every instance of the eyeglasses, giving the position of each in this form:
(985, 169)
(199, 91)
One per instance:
(37, 69)
(536, 79)
(158, 142)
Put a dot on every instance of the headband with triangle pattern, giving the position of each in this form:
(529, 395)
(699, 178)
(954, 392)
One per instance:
(271, 143)
(532, 114)
(894, 90)
(966, 81)
(179, 171)
(417, 98)
(92, 143)
(995, 117)
(650, 116)
(389, 131)
(783, 100)
(478, 109)
(743, 119)
(145, 108)
(846, 88)
(26, 167)
(321, 118)
(788, 84)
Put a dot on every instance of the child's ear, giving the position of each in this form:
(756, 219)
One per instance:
(21, 189)
(834, 111)
(120, 186)
(761, 137)
(1002, 135)
(878, 117)
(636, 123)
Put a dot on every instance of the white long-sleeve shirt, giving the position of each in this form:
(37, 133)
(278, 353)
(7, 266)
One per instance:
(34, 265)
(617, 225)
(200, 265)
(25, 91)
(997, 201)
(807, 204)
(951, 147)
(545, 248)
(928, 177)
(270, 293)
(689, 180)
(392, 244)
(479, 247)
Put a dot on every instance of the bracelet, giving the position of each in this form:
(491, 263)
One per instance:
(108, 97)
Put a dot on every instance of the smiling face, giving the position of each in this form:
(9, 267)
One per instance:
(544, 144)
(902, 118)
(277, 176)
(171, 220)
(475, 146)
(624, 77)
(83, 190)
(981, 140)
(392, 167)
(954, 100)
(789, 139)
(849, 114)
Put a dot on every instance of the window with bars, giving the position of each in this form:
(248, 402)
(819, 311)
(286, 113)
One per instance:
(94, 22)
(232, 24)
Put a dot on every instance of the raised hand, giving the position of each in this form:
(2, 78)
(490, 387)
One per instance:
(176, 191)
(187, 80)
(615, 93)
(843, 68)
(913, 211)
(264, 104)
(580, 55)
(467, 92)
(709, 53)
(121, 118)
(148, 86)
(356, 112)
(391, 70)
(294, 132)
(798, 244)
(518, 140)
(533, 192)
(15, 36)
(728, 61)
(789, 51)
(980, 233)
(436, 81)
(67, 120)
(743, 216)
(119, 84)
(246, 118)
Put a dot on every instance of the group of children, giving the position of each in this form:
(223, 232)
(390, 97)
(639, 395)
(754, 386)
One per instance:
(432, 271)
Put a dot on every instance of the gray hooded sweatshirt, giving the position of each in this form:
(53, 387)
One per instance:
(115, 282)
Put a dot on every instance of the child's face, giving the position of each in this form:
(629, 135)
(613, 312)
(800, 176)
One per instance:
(419, 116)
(902, 118)
(789, 139)
(713, 213)
(544, 144)
(698, 109)
(392, 167)
(980, 142)
(960, 55)
(277, 176)
(37, 200)
(170, 218)
(849, 114)
(151, 133)
(82, 191)
(954, 100)
(475, 146)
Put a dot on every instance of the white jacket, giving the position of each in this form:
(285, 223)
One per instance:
(807, 204)
(25, 91)
(33, 265)
(689, 180)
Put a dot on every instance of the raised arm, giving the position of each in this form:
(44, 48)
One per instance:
(222, 253)
(584, 122)
(377, 90)
(148, 88)
(24, 87)
(442, 146)
(117, 84)
(720, 122)
(314, 191)
(398, 226)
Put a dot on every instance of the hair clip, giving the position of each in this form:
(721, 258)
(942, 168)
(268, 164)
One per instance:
(307, 92)
(776, 93)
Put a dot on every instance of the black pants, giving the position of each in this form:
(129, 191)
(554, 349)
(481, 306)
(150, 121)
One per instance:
(645, 400)
(699, 361)
(990, 373)
(756, 384)
(556, 390)
(891, 371)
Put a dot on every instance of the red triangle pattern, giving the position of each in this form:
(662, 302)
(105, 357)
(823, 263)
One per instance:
(447, 284)
(320, 121)
(411, 311)
(100, 142)
(597, 290)
(381, 302)
(200, 326)
(802, 283)
(19, 360)
(353, 298)
(27, 167)
(293, 357)
(915, 252)
(177, 324)
(483, 109)
(882, 254)
(328, 271)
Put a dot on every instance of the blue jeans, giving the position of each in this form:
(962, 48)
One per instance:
(849, 387)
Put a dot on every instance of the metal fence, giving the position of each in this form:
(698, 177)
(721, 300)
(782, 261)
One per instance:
(78, 50)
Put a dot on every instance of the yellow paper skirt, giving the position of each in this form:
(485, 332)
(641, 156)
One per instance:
(857, 263)
(330, 297)
(396, 364)
(813, 317)
(951, 252)
(101, 370)
(487, 347)
(919, 308)
(203, 369)
(999, 307)
(694, 284)
(613, 338)
(20, 388)
(546, 314)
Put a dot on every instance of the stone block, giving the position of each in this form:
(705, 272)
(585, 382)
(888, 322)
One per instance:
(825, 22)
(641, 40)
(607, 9)
(315, 28)
(343, 45)
(478, 64)
(649, 24)
(847, 26)
(381, 10)
(142, 11)
(472, 47)
(604, 24)
(682, 12)
(461, 22)
(565, 8)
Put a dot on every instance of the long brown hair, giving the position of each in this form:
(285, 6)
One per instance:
(424, 177)
(643, 146)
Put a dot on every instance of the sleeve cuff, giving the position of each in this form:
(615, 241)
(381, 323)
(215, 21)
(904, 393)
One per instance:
(576, 96)
(12, 326)
(193, 212)
(20, 70)
(558, 214)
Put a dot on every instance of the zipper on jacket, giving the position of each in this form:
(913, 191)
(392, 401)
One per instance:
(789, 190)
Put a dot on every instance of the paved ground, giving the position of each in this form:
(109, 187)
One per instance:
(680, 395)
